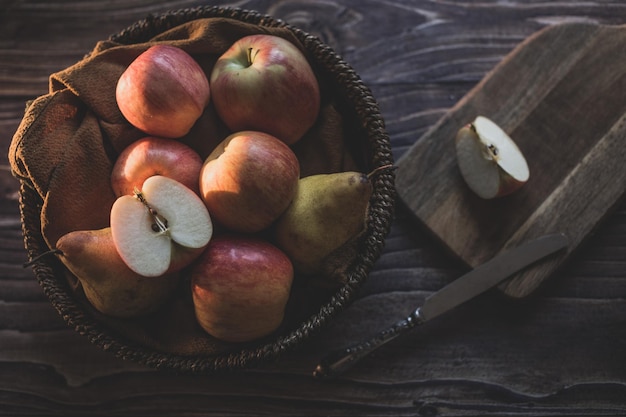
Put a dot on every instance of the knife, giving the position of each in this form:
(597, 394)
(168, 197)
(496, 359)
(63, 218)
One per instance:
(463, 289)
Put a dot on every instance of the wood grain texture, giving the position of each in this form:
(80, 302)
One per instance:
(559, 352)
(559, 94)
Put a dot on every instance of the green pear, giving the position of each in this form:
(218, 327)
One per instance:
(109, 284)
(327, 211)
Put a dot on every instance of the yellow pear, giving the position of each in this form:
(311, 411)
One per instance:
(327, 211)
(108, 283)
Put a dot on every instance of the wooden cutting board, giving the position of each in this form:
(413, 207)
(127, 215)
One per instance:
(561, 95)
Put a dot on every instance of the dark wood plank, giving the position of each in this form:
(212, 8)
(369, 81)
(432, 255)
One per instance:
(559, 352)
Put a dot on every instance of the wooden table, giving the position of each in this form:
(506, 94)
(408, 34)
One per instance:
(561, 351)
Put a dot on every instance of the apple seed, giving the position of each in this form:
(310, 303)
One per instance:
(493, 151)
(160, 223)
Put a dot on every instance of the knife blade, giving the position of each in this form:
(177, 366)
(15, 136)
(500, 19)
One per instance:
(461, 290)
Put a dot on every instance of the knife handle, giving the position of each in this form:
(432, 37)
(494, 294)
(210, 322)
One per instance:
(341, 360)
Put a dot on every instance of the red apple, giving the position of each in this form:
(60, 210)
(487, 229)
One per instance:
(249, 180)
(155, 156)
(240, 287)
(265, 83)
(163, 91)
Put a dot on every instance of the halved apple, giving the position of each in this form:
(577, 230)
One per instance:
(160, 229)
(490, 162)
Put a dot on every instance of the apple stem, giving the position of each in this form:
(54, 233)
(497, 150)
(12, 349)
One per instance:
(250, 56)
(160, 223)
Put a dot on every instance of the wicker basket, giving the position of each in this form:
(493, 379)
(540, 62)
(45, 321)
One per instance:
(364, 115)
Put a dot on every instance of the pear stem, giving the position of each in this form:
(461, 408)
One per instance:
(42, 255)
(380, 169)
(160, 223)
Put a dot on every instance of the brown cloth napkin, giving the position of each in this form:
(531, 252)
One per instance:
(69, 139)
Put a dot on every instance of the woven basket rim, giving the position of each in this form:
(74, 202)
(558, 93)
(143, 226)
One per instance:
(48, 269)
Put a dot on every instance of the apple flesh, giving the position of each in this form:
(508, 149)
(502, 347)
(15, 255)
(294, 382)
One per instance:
(163, 228)
(240, 287)
(249, 180)
(490, 162)
(151, 156)
(163, 92)
(265, 83)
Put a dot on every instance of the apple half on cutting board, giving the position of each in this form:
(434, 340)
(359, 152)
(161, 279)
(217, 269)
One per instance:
(491, 163)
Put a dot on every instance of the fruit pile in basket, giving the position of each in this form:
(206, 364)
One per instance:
(237, 226)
